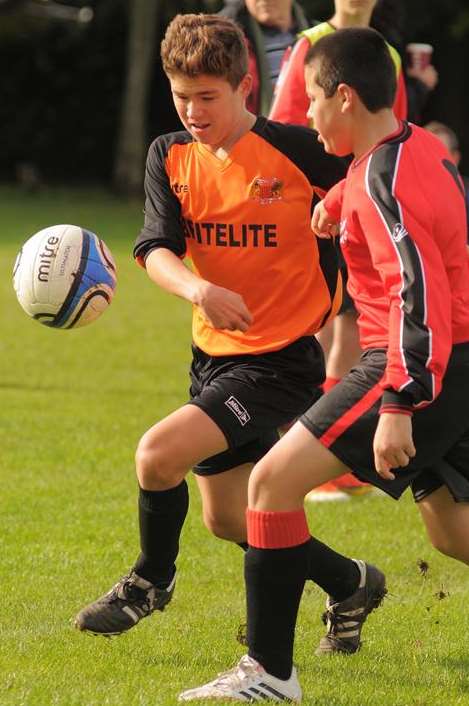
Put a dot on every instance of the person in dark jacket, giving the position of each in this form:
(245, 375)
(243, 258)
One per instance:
(271, 29)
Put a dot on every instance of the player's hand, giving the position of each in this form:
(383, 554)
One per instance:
(223, 308)
(428, 75)
(393, 446)
(322, 224)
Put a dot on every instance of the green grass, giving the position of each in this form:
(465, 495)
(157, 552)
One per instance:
(73, 405)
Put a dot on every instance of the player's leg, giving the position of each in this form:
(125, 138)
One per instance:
(281, 554)
(343, 354)
(442, 489)
(345, 350)
(164, 455)
(226, 519)
(250, 402)
(447, 523)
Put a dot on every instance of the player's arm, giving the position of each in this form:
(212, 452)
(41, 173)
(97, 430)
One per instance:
(409, 263)
(419, 324)
(325, 221)
(161, 246)
(223, 308)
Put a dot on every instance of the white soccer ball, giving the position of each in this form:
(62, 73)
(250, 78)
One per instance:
(64, 276)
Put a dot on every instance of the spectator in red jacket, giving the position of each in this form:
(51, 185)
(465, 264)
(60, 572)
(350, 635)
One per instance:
(291, 103)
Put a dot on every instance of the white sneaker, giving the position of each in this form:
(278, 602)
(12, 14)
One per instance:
(248, 681)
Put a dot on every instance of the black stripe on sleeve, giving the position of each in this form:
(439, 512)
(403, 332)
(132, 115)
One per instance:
(415, 337)
(163, 225)
(301, 146)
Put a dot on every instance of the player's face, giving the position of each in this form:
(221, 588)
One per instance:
(209, 107)
(328, 116)
(354, 8)
(269, 12)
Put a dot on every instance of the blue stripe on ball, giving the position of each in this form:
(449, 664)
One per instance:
(92, 272)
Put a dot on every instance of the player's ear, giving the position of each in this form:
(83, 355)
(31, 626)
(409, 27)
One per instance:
(246, 85)
(345, 94)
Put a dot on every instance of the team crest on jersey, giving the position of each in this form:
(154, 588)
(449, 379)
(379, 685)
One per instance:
(399, 232)
(266, 190)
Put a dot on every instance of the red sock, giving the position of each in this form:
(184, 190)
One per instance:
(329, 383)
(276, 530)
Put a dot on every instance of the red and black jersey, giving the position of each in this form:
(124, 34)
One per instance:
(403, 235)
(245, 224)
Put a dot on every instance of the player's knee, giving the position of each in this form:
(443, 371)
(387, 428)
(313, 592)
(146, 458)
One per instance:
(262, 481)
(454, 550)
(155, 465)
(232, 529)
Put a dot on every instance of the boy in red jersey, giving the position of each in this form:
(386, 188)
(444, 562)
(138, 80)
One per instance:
(235, 193)
(399, 419)
(340, 338)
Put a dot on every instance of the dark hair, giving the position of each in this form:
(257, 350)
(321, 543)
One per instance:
(359, 57)
(205, 44)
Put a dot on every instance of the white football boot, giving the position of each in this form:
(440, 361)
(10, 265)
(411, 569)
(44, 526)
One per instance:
(248, 681)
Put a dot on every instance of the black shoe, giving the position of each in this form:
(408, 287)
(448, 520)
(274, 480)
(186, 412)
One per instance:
(130, 600)
(345, 620)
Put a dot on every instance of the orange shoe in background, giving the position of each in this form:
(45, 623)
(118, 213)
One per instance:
(342, 488)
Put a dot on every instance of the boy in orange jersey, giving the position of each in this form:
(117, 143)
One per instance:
(399, 419)
(234, 193)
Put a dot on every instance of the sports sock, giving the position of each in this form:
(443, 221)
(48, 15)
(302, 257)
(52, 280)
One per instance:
(337, 575)
(275, 568)
(329, 383)
(161, 517)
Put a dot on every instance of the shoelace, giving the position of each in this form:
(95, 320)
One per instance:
(336, 620)
(127, 590)
(235, 677)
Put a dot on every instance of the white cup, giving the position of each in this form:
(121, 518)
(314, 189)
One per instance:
(420, 55)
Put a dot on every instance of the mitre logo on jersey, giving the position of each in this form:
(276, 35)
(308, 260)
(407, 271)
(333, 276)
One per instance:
(398, 233)
(238, 410)
(266, 190)
(180, 188)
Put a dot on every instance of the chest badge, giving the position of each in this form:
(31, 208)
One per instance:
(266, 190)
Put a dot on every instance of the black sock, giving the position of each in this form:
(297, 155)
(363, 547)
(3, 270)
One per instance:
(274, 584)
(334, 573)
(161, 517)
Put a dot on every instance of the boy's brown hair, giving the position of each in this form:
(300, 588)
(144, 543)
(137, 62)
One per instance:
(205, 44)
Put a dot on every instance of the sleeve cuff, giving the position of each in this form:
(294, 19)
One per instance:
(394, 402)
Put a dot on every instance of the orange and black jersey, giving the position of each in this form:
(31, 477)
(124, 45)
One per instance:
(245, 224)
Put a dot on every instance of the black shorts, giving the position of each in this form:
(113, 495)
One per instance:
(345, 421)
(250, 396)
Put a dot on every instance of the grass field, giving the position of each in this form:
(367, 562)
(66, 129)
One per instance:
(73, 405)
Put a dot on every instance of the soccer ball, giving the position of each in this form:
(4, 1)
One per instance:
(64, 276)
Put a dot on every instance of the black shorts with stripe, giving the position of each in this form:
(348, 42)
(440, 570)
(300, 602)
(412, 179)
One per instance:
(345, 421)
(250, 396)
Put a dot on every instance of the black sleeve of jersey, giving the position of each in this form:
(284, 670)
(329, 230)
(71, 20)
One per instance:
(301, 146)
(162, 226)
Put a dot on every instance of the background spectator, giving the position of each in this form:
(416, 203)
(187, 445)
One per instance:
(450, 140)
(271, 30)
(389, 18)
(291, 103)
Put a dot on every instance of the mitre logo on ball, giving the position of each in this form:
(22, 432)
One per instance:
(64, 276)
